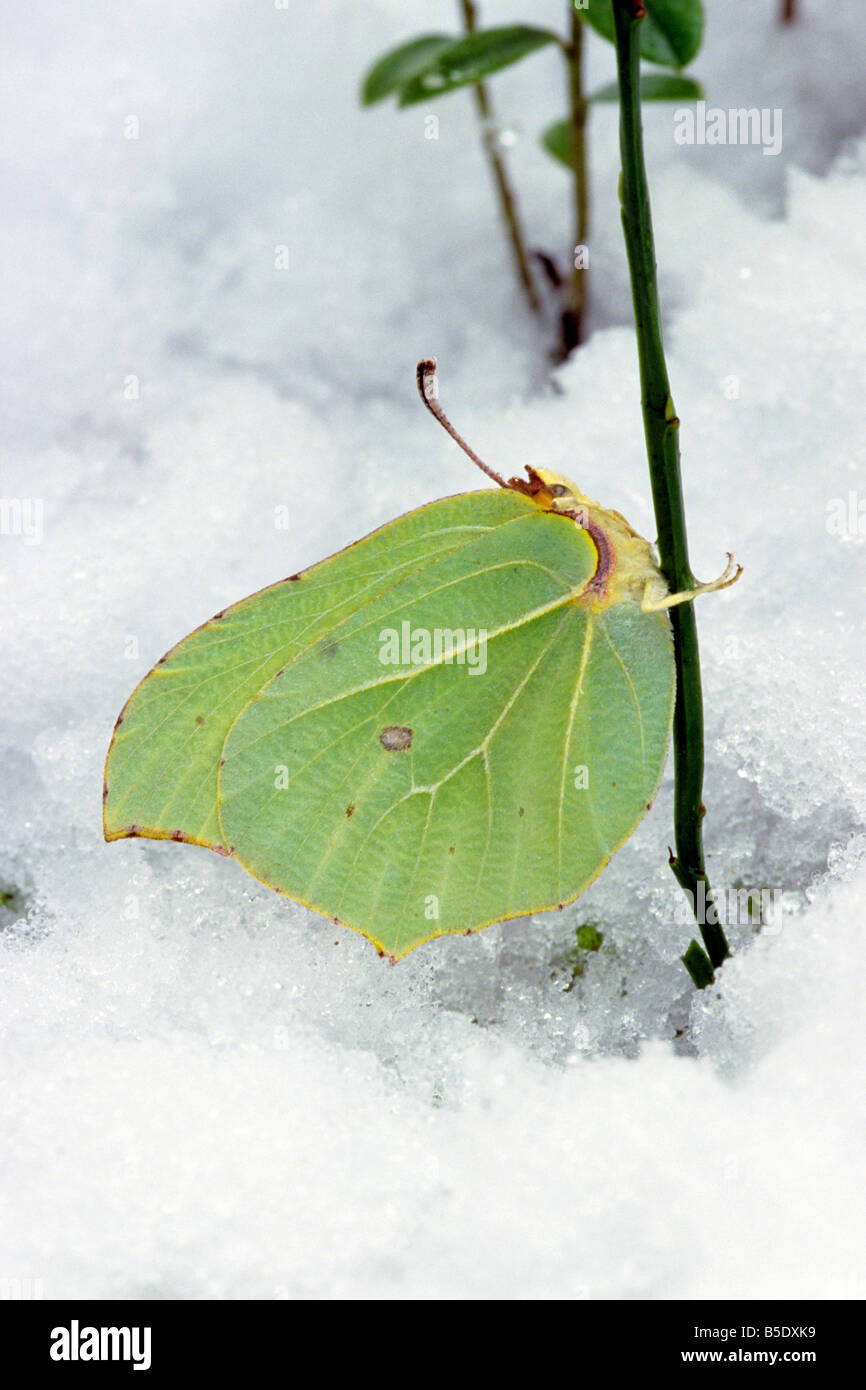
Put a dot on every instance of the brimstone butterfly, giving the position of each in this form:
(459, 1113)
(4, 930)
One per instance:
(456, 720)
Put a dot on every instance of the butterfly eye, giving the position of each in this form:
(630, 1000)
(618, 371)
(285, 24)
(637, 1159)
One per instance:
(559, 490)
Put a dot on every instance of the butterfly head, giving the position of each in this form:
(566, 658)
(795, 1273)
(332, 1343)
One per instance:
(554, 493)
(565, 496)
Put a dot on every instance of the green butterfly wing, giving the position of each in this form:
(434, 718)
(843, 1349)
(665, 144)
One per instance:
(430, 789)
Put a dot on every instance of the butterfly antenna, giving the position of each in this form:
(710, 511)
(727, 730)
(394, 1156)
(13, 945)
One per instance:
(428, 389)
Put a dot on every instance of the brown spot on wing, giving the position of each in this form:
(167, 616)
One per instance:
(394, 738)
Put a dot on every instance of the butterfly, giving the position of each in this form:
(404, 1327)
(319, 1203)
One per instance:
(456, 720)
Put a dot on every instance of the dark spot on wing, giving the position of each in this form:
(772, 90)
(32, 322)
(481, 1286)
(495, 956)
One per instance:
(394, 738)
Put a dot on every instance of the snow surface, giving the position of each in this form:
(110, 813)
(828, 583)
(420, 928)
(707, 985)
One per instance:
(207, 1092)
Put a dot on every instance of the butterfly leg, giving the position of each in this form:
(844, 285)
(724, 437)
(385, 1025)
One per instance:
(650, 604)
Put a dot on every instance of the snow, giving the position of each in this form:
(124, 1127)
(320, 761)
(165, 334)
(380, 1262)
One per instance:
(207, 1092)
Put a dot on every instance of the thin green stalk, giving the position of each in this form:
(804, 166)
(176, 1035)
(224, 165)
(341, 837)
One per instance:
(661, 429)
(572, 319)
(507, 201)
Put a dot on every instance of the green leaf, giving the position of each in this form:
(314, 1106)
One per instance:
(589, 938)
(557, 141)
(670, 33)
(401, 783)
(655, 86)
(398, 66)
(473, 58)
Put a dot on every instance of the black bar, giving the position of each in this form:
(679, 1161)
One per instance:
(240, 1337)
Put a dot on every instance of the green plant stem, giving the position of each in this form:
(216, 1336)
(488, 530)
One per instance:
(507, 201)
(661, 428)
(572, 319)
